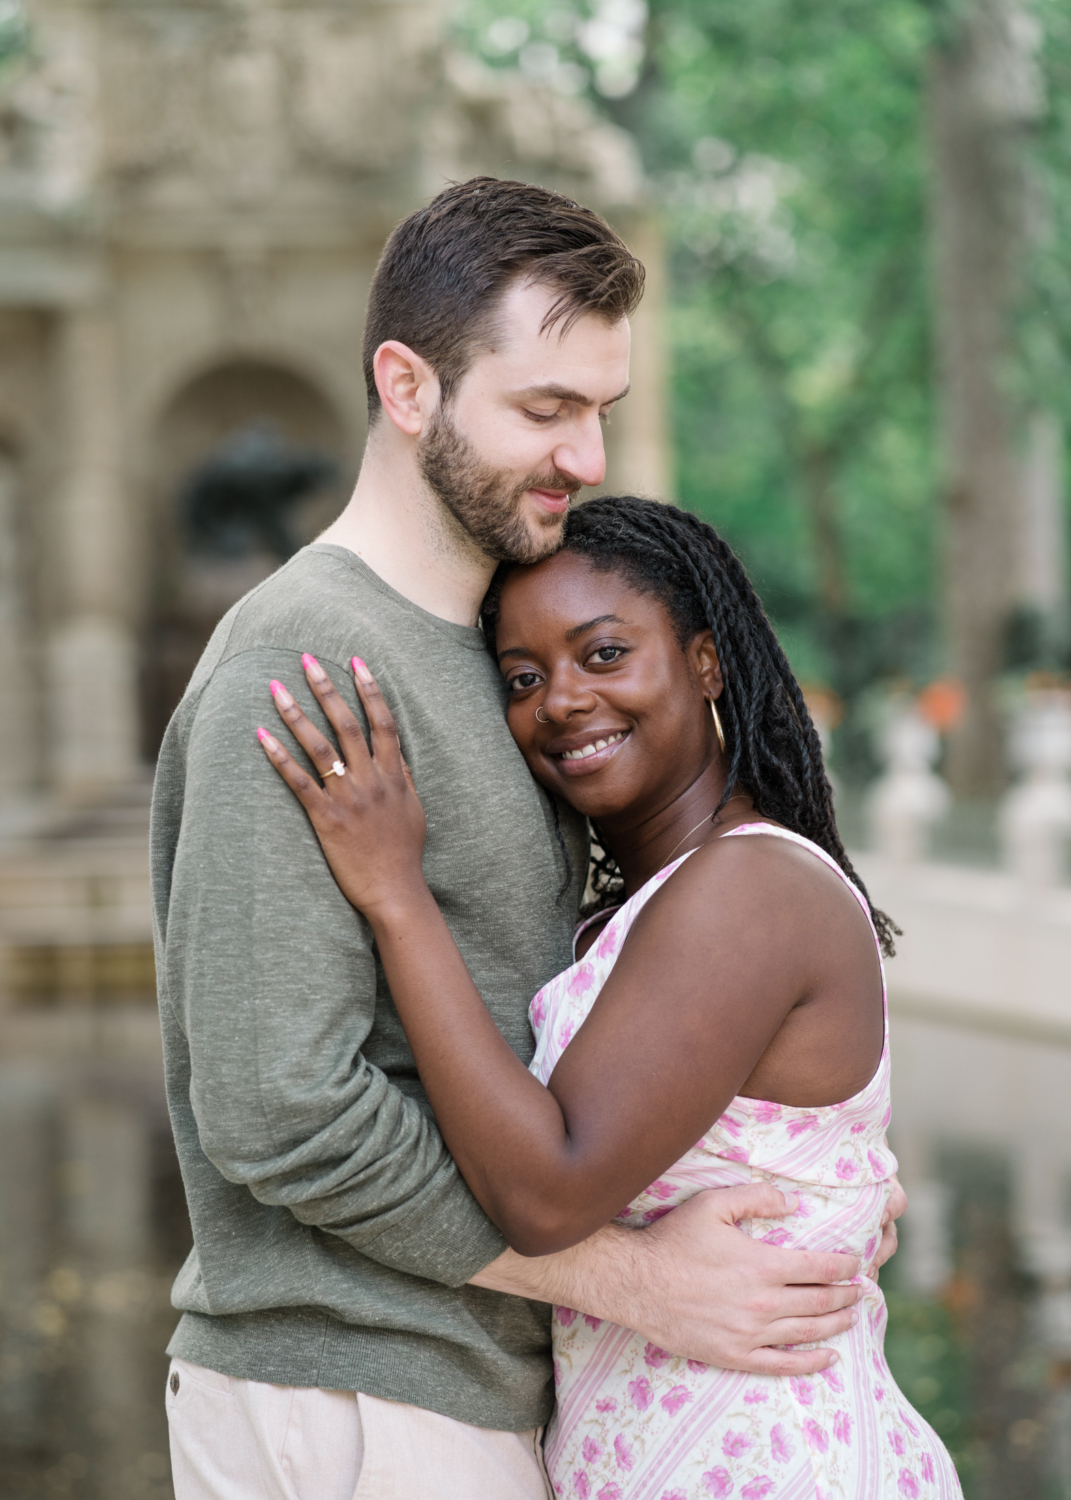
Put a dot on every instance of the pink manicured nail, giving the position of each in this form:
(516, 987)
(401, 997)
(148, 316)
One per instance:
(361, 670)
(313, 668)
(267, 740)
(279, 693)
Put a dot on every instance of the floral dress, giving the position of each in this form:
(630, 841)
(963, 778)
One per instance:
(635, 1422)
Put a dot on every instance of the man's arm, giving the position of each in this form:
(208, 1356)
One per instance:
(693, 1284)
(272, 978)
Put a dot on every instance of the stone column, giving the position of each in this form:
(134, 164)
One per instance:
(26, 1173)
(92, 657)
(20, 764)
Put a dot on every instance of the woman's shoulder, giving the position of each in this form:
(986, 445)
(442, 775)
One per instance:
(769, 850)
(762, 882)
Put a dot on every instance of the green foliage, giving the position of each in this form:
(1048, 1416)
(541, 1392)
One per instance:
(789, 140)
(14, 32)
(1046, 322)
(575, 46)
(785, 144)
(784, 138)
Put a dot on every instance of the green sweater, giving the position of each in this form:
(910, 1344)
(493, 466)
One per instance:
(333, 1234)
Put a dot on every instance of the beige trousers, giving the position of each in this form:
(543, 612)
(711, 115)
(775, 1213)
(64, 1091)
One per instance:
(245, 1440)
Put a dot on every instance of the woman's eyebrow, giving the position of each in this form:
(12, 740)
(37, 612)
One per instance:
(570, 635)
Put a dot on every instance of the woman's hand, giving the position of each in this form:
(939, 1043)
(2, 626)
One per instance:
(366, 814)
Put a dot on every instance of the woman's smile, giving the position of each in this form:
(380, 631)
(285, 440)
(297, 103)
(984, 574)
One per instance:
(580, 757)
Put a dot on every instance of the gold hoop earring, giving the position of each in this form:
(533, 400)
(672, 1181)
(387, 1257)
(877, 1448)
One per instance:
(718, 730)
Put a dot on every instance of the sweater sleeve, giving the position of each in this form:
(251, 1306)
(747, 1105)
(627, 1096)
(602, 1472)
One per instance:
(271, 976)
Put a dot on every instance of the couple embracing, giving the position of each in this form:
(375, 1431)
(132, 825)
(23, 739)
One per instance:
(412, 1081)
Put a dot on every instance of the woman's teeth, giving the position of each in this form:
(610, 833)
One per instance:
(593, 748)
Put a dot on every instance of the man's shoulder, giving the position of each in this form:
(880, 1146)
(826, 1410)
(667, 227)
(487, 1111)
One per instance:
(319, 601)
(323, 601)
(319, 594)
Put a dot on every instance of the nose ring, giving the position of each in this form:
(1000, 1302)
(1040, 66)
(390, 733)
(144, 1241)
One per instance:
(538, 719)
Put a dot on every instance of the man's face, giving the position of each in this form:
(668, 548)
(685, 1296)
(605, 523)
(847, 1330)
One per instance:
(523, 432)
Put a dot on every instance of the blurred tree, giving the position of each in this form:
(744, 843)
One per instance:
(788, 140)
(984, 93)
(812, 157)
(784, 140)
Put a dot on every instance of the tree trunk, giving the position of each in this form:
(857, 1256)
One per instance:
(983, 93)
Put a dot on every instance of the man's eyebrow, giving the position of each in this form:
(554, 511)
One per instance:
(563, 393)
(570, 635)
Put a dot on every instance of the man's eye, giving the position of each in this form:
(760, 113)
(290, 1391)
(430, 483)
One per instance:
(522, 681)
(540, 416)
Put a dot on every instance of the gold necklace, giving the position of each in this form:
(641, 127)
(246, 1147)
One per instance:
(688, 835)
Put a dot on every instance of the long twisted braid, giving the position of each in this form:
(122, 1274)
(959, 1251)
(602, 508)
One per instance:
(772, 745)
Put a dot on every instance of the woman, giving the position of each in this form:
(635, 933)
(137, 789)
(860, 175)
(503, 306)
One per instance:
(724, 1021)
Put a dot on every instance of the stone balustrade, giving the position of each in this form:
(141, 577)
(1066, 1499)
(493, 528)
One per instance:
(980, 999)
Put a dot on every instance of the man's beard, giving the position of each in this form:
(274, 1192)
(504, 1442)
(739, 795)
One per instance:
(485, 502)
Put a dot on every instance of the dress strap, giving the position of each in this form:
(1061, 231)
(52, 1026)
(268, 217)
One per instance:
(604, 914)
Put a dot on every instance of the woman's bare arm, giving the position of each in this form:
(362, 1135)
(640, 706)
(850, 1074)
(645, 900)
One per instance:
(653, 1065)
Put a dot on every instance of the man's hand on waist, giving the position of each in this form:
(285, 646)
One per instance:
(695, 1285)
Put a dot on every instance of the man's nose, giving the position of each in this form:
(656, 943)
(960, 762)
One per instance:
(583, 454)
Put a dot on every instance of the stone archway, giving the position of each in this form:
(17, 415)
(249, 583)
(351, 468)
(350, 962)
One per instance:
(251, 460)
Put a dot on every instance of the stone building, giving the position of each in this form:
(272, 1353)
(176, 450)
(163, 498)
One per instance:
(193, 196)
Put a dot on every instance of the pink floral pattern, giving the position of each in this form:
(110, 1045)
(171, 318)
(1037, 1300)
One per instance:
(635, 1422)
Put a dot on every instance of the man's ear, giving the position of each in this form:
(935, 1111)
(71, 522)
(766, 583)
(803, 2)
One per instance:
(705, 663)
(407, 386)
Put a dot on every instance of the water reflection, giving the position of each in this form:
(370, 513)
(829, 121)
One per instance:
(92, 1230)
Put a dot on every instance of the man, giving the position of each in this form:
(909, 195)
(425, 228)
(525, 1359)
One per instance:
(353, 1325)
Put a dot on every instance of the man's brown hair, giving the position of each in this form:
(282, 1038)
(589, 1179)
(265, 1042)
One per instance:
(446, 267)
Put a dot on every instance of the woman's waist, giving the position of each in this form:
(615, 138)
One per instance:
(594, 1360)
(829, 1216)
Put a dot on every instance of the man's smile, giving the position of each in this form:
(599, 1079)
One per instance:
(553, 500)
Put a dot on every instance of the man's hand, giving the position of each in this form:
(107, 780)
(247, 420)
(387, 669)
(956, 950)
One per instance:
(695, 1285)
(893, 1209)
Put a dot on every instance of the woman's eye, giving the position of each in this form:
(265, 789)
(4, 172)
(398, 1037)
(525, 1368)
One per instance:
(522, 681)
(608, 653)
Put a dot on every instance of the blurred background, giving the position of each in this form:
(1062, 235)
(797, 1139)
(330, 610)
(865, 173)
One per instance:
(853, 359)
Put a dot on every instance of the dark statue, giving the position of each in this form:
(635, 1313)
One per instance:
(242, 498)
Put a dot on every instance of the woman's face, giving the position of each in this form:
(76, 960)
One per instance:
(624, 723)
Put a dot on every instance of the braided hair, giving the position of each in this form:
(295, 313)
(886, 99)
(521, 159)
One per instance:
(771, 744)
